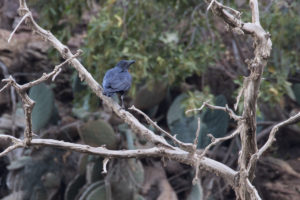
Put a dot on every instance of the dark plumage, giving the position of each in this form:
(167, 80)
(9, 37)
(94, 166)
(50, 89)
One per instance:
(118, 79)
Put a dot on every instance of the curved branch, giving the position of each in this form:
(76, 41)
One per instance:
(174, 154)
(135, 125)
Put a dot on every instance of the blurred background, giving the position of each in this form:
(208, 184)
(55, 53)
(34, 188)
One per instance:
(184, 56)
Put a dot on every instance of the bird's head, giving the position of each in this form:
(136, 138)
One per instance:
(124, 64)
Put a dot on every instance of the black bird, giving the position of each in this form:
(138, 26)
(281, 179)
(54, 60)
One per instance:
(118, 79)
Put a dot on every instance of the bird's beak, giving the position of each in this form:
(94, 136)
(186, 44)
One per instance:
(130, 62)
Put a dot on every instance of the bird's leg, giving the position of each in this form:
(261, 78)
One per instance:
(122, 97)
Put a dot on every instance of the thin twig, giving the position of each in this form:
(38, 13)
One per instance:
(5, 86)
(252, 190)
(17, 143)
(236, 13)
(210, 4)
(225, 109)
(238, 98)
(196, 177)
(217, 140)
(185, 146)
(195, 180)
(11, 148)
(55, 72)
(105, 161)
(270, 140)
(197, 134)
(20, 22)
(255, 12)
(197, 109)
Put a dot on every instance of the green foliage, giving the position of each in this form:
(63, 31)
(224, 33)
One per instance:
(166, 38)
(167, 48)
(44, 108)
(60, 16)
(283, 22)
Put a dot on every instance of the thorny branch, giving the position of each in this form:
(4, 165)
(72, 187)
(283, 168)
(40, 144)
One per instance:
(240, 181)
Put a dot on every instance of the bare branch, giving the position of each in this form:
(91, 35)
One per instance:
(56, 74)
(225, 109)
(187, 152)
(105, 161)
(210, 4)
(252, 190)
(197, 134)
(174, 154)
(236, 13)
(197, 109)
(11, 148)
(53, 74)
(238, 98)
(4, 87)
(27, 107)
(135, 125)
(251, 84)
(195, 179)
(20, 22)
(28, 103)
(185, 146)
(217, 140)
(270, 140)
(255, 12)
(17, 143)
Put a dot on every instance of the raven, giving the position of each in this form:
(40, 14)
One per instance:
(118, 79)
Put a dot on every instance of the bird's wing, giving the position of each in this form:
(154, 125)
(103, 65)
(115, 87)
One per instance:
(122, 82)
(109, 76)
